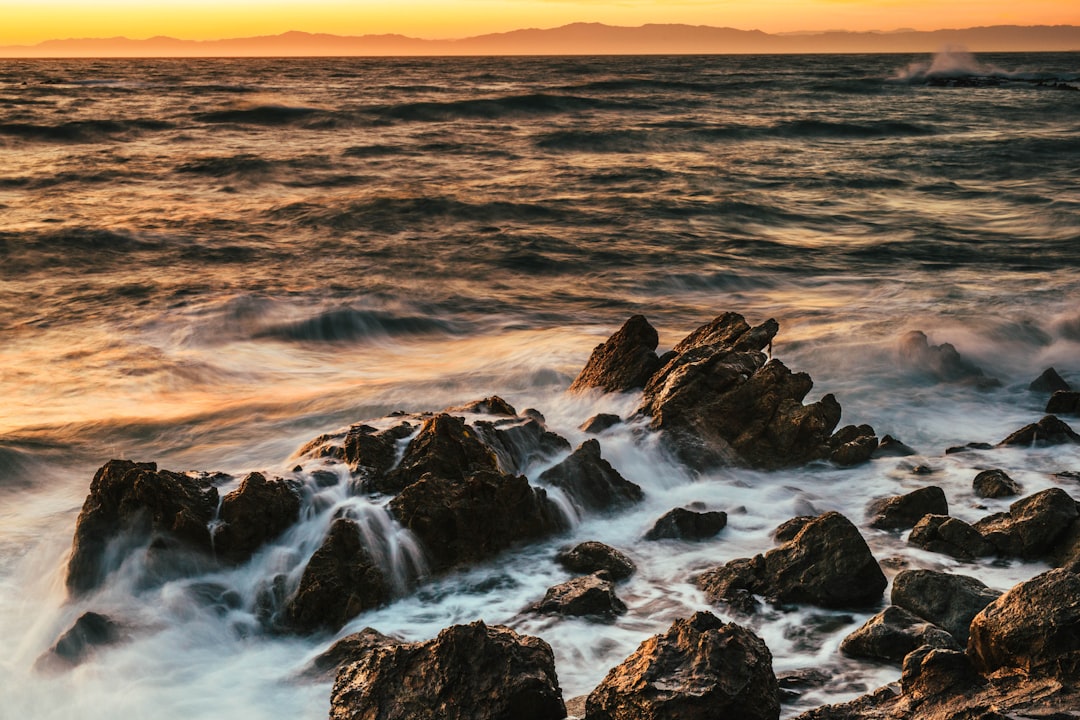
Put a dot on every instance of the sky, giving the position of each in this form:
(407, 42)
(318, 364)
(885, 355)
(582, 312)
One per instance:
(25, 22)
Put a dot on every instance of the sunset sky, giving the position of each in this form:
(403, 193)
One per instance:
(31, 21)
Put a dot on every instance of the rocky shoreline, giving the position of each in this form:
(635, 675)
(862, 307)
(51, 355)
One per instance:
(455, 495)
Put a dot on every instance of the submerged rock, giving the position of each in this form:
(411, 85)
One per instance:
(588, 596)
(853, 445)
(1048, 431)
(684, 524)
(891, 447)
(1032, 526)
(599, 423)
(590, 557)
(904, 511)
(623, 362)
(994, 484)
(1049, 382)
(493, 405)
(1064, 402)
(950, 536)
(91, 631)
(947, 600)
(892, 634)
(590, 481)
(942, 362)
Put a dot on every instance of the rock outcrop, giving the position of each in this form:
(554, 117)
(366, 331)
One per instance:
(623, 362)
(1049, 382)
(947, 600)
(905, 511)
(893, 633)
(587, 596)
(950, 536)
(941, 362)
(1032, 526)
(1064, 402)
(686, 524)
(91, 631)
(445, 447)
(253, 514)
(590, 480)
(591, 557)
(1048, 431)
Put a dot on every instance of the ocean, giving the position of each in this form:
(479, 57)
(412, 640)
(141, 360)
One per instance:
(207, 263)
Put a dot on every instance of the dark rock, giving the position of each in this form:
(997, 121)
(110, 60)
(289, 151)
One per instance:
(139, 501)
(826, 563)
(599, 423)
(683, 524)
(946, 600)
(519, 442)
(995, 484)
(348, 649)
(794, 684)
(340, 581)
(91, 631)
(853, 445)
(446, 447)
(493, 405)
(1032, 628)
(933, 672)
(942, 362)
(624, 362)
(1032, 526)
(1066, 552)
(788, 529)
(253, 514)
(461, 521)
(372, 451)
(469, 672)
(1049, 382)
(590, 595)
(967, 448)
(950, 536)
(891, 447)
(731, 331)
(892, 634)
(590, 557)
(904, 511)
(1048, 431)
(700, 669)
(1064, 402)
(590, 481)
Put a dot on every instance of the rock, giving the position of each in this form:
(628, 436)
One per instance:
(700, 669)
(590, 595)
(1066, 552)
(942, 362)
(253, 514)
(1032, 628)
(891, 447)
(683, 524)
(1032, 526)
(624, 362)
(950, 536)
(1049, 382)
(373, 452)
(519, 442)
(348, 649)
(794, 684)
(730, 330)
(599, 423)
(1064, 402)
(994, 484)
(827, 563)
(340, 581)
(590, 481)
(137, 500)
(853, 445)
(892, 634)
(445, 447)
(904, 511)
(493, 405)
(933, 672)
(461, 521)
(590, 557)
(91, 631)
(469, 672)
(946, 600)
(1048, 431)
(969, 447)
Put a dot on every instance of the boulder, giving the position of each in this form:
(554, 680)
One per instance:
(1048, 431)
(853, 445)
(469, 672)
(1049, 382)
(891, 447)
(253, 514)
(591, 557)
(599, 423)
(445, 447)
(893, 633)
(941, 362)
(995, 484)
(950, 536)
(464, 520)
(826, 563)
(590, 481)
(622, 363)
(935, 672)
(139, 501)
(91, 631)
(946, 600)
(1032, 526)
(700, 669)
(348, 649)
(684, 524)
(1064, 402)
(340, 581)
(588, 596)
(904, 511)
(372, 452)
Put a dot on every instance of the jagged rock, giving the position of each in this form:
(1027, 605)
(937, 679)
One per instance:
(91, 631)
(950, 536)
(469, 672)
(253, 514)
(700, 669)
(684, 524)
(599, 423)
(994, 484)
(590, 481)
(340, 581)
(139, 501)
(323, 446)
(892, 634)
(590, 595)
(1064, 402)
(1048, 431)
(372, 451)
(445, 447)
(853, 445)
(731, 331)
(1032, 526)
(624, 362)
(1049, 382)
(493, 405)
(891, 447)
(942, 362)
(904, 511)
(348, 649)
(826, 563)
(944, 599)
(794, 684)
(519, 442)
(1032, 628)
(468, 519)
(591, 557)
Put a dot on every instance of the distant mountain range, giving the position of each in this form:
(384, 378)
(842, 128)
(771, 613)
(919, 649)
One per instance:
(575, 39)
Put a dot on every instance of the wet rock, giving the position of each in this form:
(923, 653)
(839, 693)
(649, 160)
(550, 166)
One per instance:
(1066, 552)
(950, 536)
(701, 668)
(138, 501)
(904, 511)
(600, 422)
(590, 481)
(684, 524)
(891, 447)
(944, 599)
(853, 445)
(91, 631)
(348, 649)
(591, 557)
(445, 447)
(730, 330)
(253, 514)
(622, 363)
(1049, 382)
(995, 484)
(1048, 431)
(372, 452)
(464, 520)
(519, 442)
(587, 596)
(942, 362)
(892, 634)
(826, 563)
(340, 581)
(468, 672)
(969, 447)
(1032, 526)
(493, 405)
(1064, 402)
(794, 684)
(934, 672)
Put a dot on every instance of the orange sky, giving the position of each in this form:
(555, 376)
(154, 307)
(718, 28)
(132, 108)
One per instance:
(31, 21)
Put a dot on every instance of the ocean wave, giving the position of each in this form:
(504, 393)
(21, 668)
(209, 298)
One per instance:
(345, 325)
(262, 115)
(494, 108)
(389, 214)
(81, 131)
